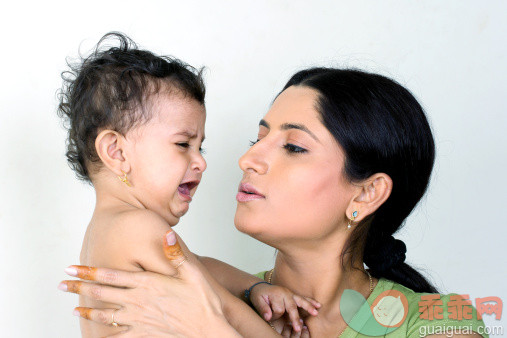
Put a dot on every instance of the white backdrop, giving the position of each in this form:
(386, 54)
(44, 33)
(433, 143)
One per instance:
(450, 54)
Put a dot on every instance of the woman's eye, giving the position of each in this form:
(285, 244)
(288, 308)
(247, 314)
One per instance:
(202, 151)
(294, 149)
(184, 145)
(253, 142)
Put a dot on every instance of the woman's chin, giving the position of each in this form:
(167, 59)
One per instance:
(244, 226)
(240, 226)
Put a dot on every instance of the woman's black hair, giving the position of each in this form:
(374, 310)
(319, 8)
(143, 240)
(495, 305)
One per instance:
(110, 89)
(382, 129)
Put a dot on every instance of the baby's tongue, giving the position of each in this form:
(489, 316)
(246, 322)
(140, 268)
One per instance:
(183, 189)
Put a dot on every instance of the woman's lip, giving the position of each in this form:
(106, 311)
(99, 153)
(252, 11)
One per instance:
(247, 192)
(248, 188)
(244, 197)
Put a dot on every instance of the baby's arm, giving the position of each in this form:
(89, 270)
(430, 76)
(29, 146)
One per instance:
(138, 243)
(269, 300)
(133, 241)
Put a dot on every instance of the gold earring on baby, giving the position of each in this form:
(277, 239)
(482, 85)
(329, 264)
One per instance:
(124, 179)
(354, 215)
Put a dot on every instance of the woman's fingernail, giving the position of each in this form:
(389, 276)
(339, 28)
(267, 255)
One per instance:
(76, 313)
(62, 286)
(71, 271)
(305, 327)
(170, 238)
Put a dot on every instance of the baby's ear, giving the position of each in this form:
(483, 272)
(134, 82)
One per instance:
(109, 145)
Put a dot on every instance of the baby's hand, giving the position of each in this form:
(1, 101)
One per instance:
(272, 302)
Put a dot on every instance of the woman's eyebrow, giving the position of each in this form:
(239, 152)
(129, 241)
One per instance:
(287, 126)
(264, 123)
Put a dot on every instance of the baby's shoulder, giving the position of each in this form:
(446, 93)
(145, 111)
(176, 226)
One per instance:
(141, 234)
(138, 229)
(124, 238)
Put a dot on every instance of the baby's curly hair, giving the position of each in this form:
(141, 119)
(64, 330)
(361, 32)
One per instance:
(110, 88)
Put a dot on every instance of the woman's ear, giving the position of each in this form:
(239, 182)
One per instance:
(372, 193)
(110, 147)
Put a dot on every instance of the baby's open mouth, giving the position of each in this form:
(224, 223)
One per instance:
(185, 188)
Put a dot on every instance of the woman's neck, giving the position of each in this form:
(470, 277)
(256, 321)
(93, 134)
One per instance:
(318, 273)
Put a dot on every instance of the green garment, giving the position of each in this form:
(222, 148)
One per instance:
(413, 325)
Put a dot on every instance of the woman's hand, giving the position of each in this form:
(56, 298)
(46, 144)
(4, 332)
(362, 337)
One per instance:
(154, 305)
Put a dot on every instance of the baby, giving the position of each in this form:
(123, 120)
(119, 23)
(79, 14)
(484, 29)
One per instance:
(136, 126)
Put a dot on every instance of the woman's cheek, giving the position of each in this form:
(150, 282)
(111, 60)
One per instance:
(318, 201)
(312, 187)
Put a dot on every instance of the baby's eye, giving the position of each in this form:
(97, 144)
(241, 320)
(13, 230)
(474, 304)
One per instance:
(253, 142)
(293, 149)
(202, 150)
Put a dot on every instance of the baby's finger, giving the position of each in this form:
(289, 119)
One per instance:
(295, 334)
(286, 331)
(314, 302)
(263, 308)
(305, 304)
(293, 313)
(278, 307)
(102, 316)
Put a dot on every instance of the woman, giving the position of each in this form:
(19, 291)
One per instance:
(342, 158)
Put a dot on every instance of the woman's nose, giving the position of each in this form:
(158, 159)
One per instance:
(254, 160)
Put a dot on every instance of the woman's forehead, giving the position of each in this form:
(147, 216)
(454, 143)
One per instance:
(298, 105)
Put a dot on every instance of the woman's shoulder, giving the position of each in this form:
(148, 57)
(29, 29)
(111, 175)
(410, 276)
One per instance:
(429, 313)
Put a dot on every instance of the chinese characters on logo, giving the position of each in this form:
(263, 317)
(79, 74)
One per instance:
(459, 307)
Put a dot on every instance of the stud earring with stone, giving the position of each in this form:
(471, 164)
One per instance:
(354, 215)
